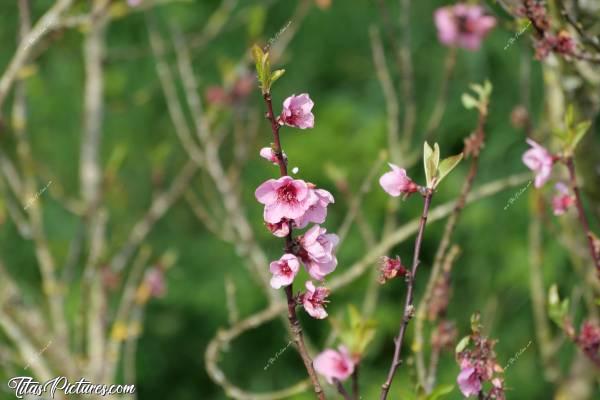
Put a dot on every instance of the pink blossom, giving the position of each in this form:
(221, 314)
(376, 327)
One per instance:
(317, 251)
(279, 229)
(283, 198)
(297, 112)
(396, 182)
(317, 212)
(463, 25)
(467, 380)
(540, 161)
(284, 270)
(334, 364)
(562, 200)
(268, 154)
(134, 3)
(155, 280)
(314, 300)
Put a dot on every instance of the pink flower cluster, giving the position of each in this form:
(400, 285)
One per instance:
(334, 364)
(293, 203)
(463, 25)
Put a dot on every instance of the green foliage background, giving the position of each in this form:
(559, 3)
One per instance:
(330, 58)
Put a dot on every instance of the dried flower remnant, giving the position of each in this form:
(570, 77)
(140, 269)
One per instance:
(589, 340)
(478, 364)
(314, 300)
(562, 200)
(334, 364)
(463, 25)
(390, 268)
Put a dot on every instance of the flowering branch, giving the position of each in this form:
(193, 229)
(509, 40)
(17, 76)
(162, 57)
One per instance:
(282, 212)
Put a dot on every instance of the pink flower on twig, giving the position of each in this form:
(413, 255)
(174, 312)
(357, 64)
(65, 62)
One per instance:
(317, 251)
(297, 112)
(283, 198)
(540, 161)
(284, 270)
(396, 182)
(334, 364)
(314, 300)
(317, 212)
(463, 25)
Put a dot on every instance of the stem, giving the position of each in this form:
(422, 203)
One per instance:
(581, 213)
(341, 389)
(408, 304)
(355, 387)
(291, 301)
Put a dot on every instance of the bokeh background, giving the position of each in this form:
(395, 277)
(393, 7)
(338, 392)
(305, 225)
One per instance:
(329, 57)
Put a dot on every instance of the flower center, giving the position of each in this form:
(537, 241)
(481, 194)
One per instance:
(287, 193)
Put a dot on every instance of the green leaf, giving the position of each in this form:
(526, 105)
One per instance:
(469, 101)
(464, 342)
(448, 165)
(257, 55)
(579, 132)
(570, 116)
(557, 309)
(276, 75)
(429, 167)
(440, 392)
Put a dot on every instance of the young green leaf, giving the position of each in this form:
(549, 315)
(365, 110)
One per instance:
(464, 342)
(430, 168)
(448, 165)
(440, 392)
(469, 101)
(579, 132)
(276, 75)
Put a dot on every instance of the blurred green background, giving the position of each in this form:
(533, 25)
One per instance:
(330, 58)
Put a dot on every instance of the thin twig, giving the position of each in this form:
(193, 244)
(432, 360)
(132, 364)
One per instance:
(581, 213)
(44, 25)
(408, 303)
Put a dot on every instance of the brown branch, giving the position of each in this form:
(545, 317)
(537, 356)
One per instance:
(408, 303)
(581, 213)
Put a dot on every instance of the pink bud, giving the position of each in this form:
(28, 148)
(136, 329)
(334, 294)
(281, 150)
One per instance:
(396, 182)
